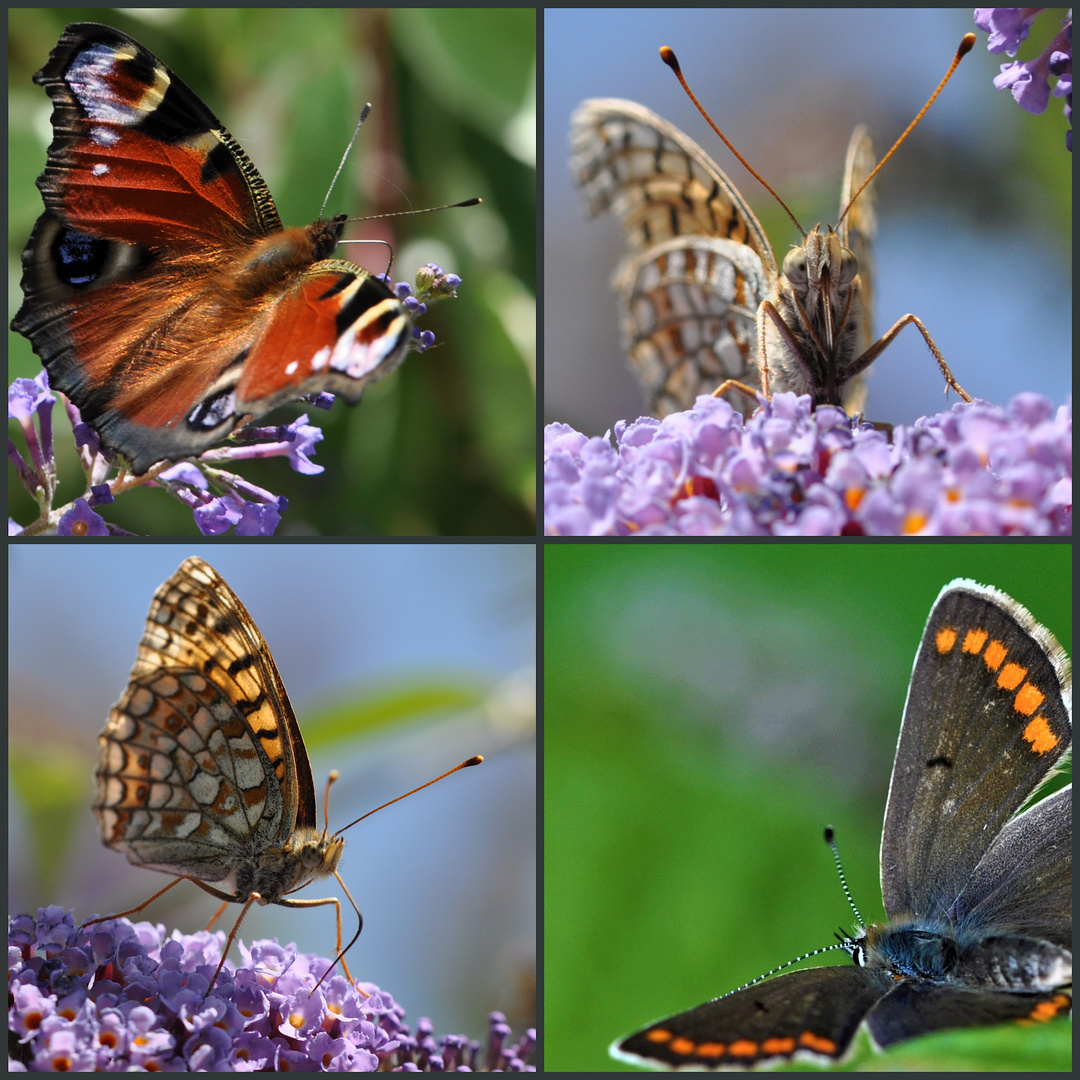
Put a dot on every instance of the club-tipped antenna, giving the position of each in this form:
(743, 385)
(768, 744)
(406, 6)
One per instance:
(966, 45)
(344, 157)
(830, 839)
(464, 765)
(669, 58)
(667, 54)
(474, 201)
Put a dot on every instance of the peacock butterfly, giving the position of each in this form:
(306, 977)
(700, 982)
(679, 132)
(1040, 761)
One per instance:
(161, 291)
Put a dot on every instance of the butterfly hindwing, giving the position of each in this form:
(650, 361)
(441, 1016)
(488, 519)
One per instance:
(698, 261)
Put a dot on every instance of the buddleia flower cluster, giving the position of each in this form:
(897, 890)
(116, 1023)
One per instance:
(978, 469)
(120, 997)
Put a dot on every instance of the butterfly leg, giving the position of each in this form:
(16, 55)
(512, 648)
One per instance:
(253, 898)
(767, 310)
(734, 384)
(217, 915)
(763, 363)
(875, 350)
(137, 910)
(226, 898)
(257, 898)
(339, 952)
(202, 885)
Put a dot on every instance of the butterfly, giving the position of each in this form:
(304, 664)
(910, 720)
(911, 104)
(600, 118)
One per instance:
(202, 768)
(702, 299)
(161, 292)
(976, 889)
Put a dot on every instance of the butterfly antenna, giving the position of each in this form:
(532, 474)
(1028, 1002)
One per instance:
(404, 213)
(790, 963)
(344, 157)
(668, 56)
(475, 201)
(464, 765)
(966, 45)
(843, 941)
(831, 841)
(334, 774)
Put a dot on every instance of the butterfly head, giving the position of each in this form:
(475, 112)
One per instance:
(312, 855)
(821, 274)
(823, 263)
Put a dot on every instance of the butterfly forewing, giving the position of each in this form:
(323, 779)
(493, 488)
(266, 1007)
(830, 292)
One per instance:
(698, 262)
(858, 233)
(858, 223)
(203, 771)
(196, 621)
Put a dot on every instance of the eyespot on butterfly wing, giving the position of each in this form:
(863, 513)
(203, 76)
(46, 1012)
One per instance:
(162, 293)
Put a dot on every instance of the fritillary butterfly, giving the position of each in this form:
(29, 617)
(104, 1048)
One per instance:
(203, 771)
(701, 297)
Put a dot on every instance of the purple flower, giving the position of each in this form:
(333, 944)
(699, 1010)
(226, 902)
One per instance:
(1029, 79)
(30, 400)
(252, 510)
(216, 515)
(219, 503)
(114, 996)
(433, 283)
(422, 339)
(261, 519)
(1007, 27)
(295, 441)
(80, 520)
(976, 469)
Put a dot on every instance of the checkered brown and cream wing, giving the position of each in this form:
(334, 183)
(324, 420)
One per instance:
(698, 262)
(203, 771)
(858, 231)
